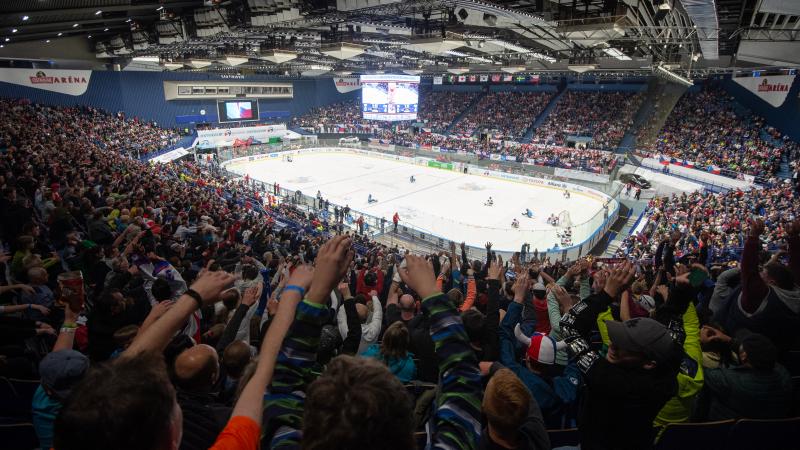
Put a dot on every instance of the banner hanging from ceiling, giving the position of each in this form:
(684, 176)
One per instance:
(70, 82)
(771, 89)
(346, 84)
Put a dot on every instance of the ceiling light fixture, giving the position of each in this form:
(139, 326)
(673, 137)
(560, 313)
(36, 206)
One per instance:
(98, 12)
(106, 29)
(159, 8)
(14, 30)
(74, 25)
(24, 18)
(48, 41)
(60, 34)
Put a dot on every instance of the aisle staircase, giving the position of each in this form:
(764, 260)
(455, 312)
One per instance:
(663, 104)
(645, 112)
(528, 135)
(463, 113)
(623, 233)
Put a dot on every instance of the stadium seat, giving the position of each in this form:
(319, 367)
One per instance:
(421, 438)
(16, 397)
(563, 438)
(749, 434)
(792, 362)
(18, 436)
(712, 434)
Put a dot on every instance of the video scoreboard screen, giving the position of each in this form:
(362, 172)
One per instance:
(389, 97)
(237, 110)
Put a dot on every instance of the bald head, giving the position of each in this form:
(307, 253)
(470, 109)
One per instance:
(407, 302)
(197, 368)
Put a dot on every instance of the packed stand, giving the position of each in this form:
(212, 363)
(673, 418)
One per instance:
(714, 222)
(507, 115)
(603, 116)
(438, 109)
(188, 276)
(707, 129)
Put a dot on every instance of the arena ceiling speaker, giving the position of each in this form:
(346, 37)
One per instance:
(199, 63)
(490, 19)
(582, 68)
(462, 14)
(458, 70)
(234, 60)
(278, 56)
(343, 50)
(512, 69)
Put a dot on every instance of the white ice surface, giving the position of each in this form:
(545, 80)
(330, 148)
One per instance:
(441, 203)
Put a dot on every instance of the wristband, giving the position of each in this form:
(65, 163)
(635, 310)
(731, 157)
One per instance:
(69, 325)
(293, 287)
(67, 330)
(197, 297)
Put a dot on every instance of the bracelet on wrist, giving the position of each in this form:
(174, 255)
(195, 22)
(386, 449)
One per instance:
(293, 287)
(67, 330)
(69, 325)
(195, 296)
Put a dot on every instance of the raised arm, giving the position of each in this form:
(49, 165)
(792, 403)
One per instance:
(494, 281)
(754, 289)
(576, 325)
(793, 236)
(243, 429)
(458, 415)
(296, 359)
(204, 291)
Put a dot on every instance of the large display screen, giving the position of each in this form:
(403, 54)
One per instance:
(237, 110)
(389, 97)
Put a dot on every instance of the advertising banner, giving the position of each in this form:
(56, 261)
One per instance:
(580, 175)
(170, 155)
(347, 84)
(70, 82)
(771, 89)
(225, 137)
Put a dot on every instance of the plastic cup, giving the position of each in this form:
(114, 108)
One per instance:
(71, 284)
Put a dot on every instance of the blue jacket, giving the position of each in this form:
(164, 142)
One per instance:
(557, 396)
(402, 368)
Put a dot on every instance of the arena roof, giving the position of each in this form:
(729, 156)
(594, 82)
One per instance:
(432, 36)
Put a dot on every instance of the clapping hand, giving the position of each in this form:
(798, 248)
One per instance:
(495, 269)
(332, 262)
(521, 286)
(252, 294)
(418, 275)
(211, 284)
(619, 279)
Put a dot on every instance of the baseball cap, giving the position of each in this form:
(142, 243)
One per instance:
(542, 349)
(60, 371)
(643, 335)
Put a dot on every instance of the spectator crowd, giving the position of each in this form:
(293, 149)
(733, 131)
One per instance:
(715, 224)
(602, 116)
(210, 314)
(709, 128)
(504, 115)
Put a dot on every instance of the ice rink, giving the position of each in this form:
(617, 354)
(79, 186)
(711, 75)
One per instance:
(443, 203)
